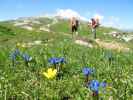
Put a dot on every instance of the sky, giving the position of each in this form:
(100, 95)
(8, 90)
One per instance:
(116, 13)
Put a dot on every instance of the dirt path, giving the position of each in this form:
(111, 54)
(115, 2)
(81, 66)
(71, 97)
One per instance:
(112, 45)
(84, 43)
(103, 44)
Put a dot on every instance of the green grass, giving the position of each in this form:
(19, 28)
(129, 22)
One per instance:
(20, 82)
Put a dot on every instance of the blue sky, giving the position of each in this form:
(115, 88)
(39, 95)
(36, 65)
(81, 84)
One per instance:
(114, 12)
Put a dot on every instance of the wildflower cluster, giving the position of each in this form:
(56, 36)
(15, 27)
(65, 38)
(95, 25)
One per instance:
(16, 53)
(57, 64)
(93, 85)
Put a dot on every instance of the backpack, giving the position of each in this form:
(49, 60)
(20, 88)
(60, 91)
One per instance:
(95, 23)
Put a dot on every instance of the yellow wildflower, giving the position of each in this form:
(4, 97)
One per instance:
(51, 73)
(23, 45)
(18, 45)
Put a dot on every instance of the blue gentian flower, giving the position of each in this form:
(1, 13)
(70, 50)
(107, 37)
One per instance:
(61, 60)
(56, 60)
(103, 84)
(15, 54)
(94, 85)
(26, 57)
(87, 71)
(53, 60)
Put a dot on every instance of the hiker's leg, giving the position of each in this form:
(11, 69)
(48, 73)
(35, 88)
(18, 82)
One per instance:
(94, 33)
(72, 30)
(76, 30)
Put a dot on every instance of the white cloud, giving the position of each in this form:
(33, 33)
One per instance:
(69, 13)
(64, 13)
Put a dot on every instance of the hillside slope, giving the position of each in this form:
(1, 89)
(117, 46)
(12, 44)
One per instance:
(22, 81)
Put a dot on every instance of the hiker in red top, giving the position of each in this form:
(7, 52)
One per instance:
(94, 24)
(74, 23)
